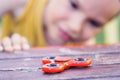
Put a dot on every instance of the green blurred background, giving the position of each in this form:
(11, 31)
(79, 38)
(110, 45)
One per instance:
(110, 33)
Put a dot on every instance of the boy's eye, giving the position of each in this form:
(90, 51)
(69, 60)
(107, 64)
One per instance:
(73, 4)
(95, 23)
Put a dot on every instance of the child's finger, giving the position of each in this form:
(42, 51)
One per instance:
(17, 47)
(7, 45)
(16, 41)
(19, 42)
(1, 48)
(8, 49)
(6, 41)
(25, 44)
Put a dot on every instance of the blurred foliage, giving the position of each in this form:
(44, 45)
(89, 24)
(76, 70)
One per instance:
(100, 38)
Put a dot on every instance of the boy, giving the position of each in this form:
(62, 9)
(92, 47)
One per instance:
(53, 22)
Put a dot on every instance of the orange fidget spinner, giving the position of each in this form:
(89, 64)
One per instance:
(60, 63)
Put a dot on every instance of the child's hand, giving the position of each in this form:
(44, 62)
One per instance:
(14, 43)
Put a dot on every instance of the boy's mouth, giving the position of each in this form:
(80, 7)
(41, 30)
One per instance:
(64, 35)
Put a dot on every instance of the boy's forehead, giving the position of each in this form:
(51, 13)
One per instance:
(101, 9)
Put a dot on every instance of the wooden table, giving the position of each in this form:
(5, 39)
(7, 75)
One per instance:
(26, 65)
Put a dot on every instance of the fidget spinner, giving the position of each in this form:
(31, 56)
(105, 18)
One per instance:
(60, 63)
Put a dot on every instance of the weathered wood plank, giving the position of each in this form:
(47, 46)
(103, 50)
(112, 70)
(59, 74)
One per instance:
(38, 52)
(20, 63)
(24, 65)
(93, 72)
(36, 62)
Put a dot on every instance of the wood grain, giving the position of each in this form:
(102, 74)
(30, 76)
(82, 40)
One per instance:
(26, 65)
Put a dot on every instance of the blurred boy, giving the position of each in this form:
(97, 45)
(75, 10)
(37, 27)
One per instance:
(53, 22)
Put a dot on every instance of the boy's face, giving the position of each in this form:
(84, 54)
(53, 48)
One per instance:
(77, 20)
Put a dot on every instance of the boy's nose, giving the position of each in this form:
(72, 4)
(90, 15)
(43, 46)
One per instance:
(76, 23)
